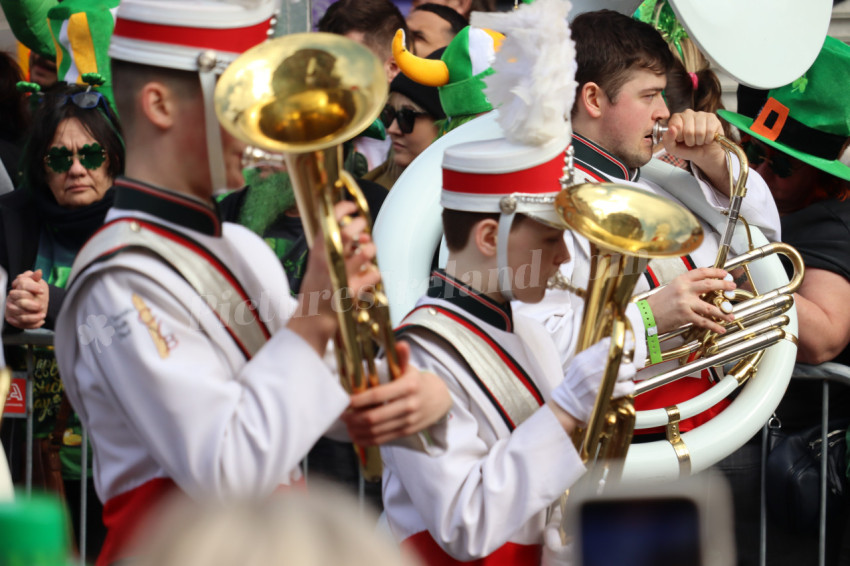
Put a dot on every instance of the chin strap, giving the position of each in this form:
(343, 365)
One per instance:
(506, 220)
(208, 72)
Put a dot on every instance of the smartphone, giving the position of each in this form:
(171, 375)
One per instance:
(687, 523)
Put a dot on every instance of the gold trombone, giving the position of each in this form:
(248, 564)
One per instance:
(302, 96)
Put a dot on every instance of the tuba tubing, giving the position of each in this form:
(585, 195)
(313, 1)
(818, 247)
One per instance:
(743, 418)
(752, 311)
(626, 227)
(407, 243)
(301, 96)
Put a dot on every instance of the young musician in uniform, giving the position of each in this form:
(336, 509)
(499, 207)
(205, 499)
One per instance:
(509, 454)
(508, 457)
(188, 361)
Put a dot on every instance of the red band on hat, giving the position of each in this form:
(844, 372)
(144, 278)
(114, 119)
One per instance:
(232, 40)
(771, 119)
(540, 179)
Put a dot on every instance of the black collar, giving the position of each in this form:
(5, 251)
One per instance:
(601, 162)
(176, 208)
(446, 287)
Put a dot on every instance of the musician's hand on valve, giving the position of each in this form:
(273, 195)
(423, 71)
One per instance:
(405, 406)
(680, 302)
(26, 304)
(691, 135)
(577, 393)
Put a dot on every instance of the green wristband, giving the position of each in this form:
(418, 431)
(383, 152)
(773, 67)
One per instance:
(653, 345)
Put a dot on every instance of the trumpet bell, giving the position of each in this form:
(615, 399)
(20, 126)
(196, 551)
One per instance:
(628, 220)
(301, 92)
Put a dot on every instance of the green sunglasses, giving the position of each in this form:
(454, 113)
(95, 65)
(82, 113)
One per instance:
(60, 158)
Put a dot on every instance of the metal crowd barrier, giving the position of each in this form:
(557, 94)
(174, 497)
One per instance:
(826, 373)
(20, 406)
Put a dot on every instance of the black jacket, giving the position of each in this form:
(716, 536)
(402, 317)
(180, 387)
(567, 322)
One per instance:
(21, 220)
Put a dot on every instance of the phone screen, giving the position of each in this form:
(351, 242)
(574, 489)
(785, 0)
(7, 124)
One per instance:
(640, 532)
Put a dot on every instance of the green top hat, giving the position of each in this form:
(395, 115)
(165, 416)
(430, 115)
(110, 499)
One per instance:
(809, 119)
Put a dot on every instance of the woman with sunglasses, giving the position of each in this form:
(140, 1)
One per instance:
(410, 118)
(73, 153)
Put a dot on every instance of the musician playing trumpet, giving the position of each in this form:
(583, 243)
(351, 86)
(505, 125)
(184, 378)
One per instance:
(618, 102)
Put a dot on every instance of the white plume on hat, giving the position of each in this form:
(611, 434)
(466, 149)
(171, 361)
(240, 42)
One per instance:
(534, 80)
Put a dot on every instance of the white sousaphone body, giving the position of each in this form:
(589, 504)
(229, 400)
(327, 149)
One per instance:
(408, 230)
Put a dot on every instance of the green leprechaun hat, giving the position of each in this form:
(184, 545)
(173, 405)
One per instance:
(81, 30)
(809, 119)
(459, 72)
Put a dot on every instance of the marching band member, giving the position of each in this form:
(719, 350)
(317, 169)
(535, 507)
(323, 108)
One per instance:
(509, 456)
(621, 74)
(188, 361)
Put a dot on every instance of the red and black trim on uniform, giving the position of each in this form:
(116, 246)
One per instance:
(197, 248)
(599, 164)
(174, 207)
(444, 286)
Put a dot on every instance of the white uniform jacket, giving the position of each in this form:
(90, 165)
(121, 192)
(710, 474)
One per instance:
(492, 485)
(594, 164)
(161, 386)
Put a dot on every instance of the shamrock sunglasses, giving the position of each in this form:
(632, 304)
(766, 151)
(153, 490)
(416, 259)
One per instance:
(60, 158)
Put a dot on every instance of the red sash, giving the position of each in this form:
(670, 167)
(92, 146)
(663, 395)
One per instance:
(510, 554)
(124, 513)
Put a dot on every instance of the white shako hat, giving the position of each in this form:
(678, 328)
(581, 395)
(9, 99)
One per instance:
(499, 175)
(533, 86)
(203, 36)
(509, 178)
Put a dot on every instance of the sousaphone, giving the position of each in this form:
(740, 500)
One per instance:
(407, 243)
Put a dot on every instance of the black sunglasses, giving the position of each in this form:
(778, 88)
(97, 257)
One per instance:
(87, 100)
(406, 118)
(781, 165)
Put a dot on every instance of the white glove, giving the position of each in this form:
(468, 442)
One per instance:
(577, 393)
(555, 552)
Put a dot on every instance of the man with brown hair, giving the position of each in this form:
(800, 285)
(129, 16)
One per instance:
(370, 22)
(621, 75)
(433, 26)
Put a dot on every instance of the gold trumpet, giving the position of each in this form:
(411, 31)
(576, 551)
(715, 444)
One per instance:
(626, 227)
(302, 96)
(759, 317)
